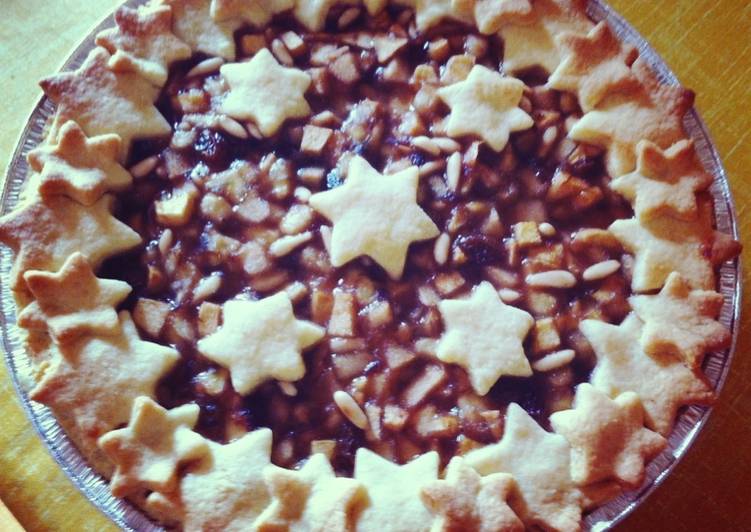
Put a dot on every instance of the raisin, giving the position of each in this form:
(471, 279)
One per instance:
(213, 147)
(479, 249)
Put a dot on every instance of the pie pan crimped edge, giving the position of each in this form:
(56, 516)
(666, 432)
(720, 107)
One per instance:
(128, 517)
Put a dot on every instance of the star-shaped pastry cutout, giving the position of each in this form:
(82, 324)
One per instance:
(149, 450)
(665, 181)
(226, 489)
(594, 65)
(96, 379)
(79, 167)
(393, 499)
(485, 104)
(485, 336)
(662, 383)
(466, 501)
(256, 12)
(539, 461)
(192, 22)
(665, 245)
(260, 340)
(312, 499)
(264, 91)
(654, 112)
(103, 102)
(73, 301)
(607, 437)
(428, 13)
(312, 13)
(44, 233)
(375, 215)
(531, 41)
(492, 15)
(143, 42)
(681, 321)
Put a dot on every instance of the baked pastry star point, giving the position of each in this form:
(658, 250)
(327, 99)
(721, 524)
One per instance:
(256, 12)
(192, 22)
(485, 104)
(260, 340)
(485, 336)
(375, 215)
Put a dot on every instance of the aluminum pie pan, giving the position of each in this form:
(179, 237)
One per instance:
(128, 517)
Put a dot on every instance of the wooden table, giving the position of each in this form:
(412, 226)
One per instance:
(707, 44)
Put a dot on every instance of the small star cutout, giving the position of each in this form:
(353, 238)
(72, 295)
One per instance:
(79, 167)
(149, 450)
(264, 91)
(226, 489)
(312, 13)
(484, 336)
(375, 215)
(96, 379)
(485, 104)
(654, 112)
(594, 65)
(73, 301)
(256, 12)
(665, 182)
(44, 233)
(260, 340)
(192, 22)
(492, 15)
(531, 41)
(607, 436)
(143, 42)
(662, 383)
(539, 461)
(102, 101)
(312, 499)
(665, 245)
(681, 321)
(467, 501)
(394, 491)
(429, 13)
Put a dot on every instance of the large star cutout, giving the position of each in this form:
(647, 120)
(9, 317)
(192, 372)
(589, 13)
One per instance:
(73, 301)
(662, 383)
(428, 13)
(312, 499)
(484, 336)
(312, 13)
(375, 215)
(102, 101)
(655, 113)
(681, 321)
(665, 245)
(531, 41)
(260, 340)
(665, 181)
(607, 436)
(96, 379)
(149, 450)
(256, 12)
(539, 461)
(492, 15)
(466, 501)
(44, 233)
(394, 491)
(192, 22)
(79, 167)
(594, 65)
(226, 490)
(143, 42)
(485, 104)
(264, 91)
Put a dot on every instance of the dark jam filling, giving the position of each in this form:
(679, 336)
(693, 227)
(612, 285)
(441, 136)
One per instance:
(562, 183)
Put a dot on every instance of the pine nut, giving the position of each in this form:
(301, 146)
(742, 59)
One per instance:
(441, 248)
(447, 145)
(425, 144)
(351, 409)
(551, 279)
(348, 17)
(430, 168)
(281, 53)
(287, 244)
(508, 295)
(145, 167)
(287, 388)
(554, 360)
(601, 270)
(546, 229)
(454, 171)
(233, 127)
(207, 66)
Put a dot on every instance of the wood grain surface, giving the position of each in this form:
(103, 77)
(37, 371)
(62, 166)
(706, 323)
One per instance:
(707, 44)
